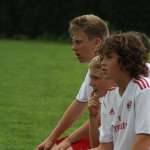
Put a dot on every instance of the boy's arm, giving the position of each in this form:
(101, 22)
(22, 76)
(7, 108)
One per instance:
(142, 142)
(82, 132)
(69, 117)
(104, 146)
(88, 129)
(94, 119)
(94, 130)
(142, 121)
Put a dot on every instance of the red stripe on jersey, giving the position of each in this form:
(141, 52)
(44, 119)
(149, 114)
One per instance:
(146, 82)
(135, 81)
(142, 83)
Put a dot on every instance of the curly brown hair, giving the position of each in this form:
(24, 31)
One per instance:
(131, 52)
(144, 39)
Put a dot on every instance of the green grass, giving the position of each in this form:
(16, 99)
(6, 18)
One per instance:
(38, 80)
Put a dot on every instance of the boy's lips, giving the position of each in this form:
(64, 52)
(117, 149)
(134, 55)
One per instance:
(95, 89)
(104, 70)
(78, 55)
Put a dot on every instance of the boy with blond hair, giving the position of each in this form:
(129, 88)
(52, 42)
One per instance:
(87, 33)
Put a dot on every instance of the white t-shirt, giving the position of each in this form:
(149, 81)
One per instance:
(85, 89)
(122, 117)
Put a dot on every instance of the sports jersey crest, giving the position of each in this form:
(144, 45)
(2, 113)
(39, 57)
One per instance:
(129, 104)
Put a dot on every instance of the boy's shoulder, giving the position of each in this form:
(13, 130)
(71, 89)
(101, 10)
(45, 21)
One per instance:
(142, 83)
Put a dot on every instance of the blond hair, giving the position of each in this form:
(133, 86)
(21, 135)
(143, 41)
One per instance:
(95, 63)
(90, 24)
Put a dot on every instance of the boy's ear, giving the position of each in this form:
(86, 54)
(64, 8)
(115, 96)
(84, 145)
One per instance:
(98, 41)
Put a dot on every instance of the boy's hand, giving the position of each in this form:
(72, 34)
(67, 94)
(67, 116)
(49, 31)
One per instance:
(45, 145)
(93, 104)
(66, 143)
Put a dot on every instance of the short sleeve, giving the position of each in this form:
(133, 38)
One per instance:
(142, 112)
(85, 89)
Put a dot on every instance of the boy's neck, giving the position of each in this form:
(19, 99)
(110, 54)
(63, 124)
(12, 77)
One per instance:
(123, 82)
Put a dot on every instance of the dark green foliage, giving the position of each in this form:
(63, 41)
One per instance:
(34, 18)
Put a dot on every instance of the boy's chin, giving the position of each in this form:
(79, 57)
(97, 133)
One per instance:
(107, 77)
(102, 94)
(99, 94)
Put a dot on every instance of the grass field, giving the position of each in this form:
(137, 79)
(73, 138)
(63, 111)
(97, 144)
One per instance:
(38, 79)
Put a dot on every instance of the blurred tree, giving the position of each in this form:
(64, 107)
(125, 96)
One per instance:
(35, 18)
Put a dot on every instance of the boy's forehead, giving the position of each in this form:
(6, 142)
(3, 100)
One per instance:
(79, 35)
(78, 32)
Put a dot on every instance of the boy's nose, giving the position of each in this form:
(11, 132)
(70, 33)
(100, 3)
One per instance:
(103, 62)
(91, 82)
(74, 48)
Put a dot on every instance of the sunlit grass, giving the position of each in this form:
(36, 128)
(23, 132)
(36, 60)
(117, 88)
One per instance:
(38, 80)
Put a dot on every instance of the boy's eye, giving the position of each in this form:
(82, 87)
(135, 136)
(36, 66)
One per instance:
(77, 41)
(109, 56)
